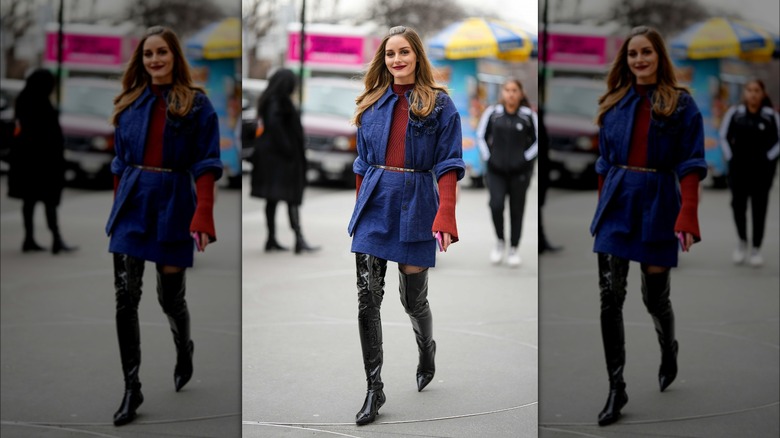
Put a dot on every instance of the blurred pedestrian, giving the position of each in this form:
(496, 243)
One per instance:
(652, 159)
(507, 136)
(279, 160)
(167, 160)
(544, 182)
(408, 139)
(37, 162)
(749, 138)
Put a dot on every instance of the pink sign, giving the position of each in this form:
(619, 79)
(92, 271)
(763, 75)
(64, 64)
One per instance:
(327, 49)
(576, 49)
(86, 49)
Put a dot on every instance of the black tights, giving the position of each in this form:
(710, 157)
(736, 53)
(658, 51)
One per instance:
(28, 212)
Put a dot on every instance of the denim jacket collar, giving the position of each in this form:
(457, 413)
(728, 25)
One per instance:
(147, 94)
(388, 94)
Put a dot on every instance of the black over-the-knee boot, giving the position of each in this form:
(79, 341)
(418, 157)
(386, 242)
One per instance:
(414, 297)
(612, 284)
(128, 278)
(170, 294)
(655, 294)
(370, 285)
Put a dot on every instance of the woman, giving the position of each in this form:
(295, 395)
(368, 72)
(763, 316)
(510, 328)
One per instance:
(37, 159)
(507, 136)
(651, 138)
(749, 138)
(408, 134)
(167, 159)
(279, 161)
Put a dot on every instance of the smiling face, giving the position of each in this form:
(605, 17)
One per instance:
(400, 59)
(642, 59)
(158, 60)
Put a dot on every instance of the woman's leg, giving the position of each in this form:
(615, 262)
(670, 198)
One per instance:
(739, 199)
(655, 295)
(270, 219)
(518, 186)
(58, 245)
(613, 272)
(28, 214)
(171, 288)
(370, 287)
(295, 223)
(128, 279)
(498, 188)
(413, 282)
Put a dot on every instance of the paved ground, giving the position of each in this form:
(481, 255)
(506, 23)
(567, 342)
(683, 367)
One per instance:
(727, 326)
(302, 369)
(61, 374)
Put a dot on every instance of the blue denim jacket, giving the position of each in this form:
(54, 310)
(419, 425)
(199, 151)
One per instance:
(433, 144)
(675, 147)
(190, 148)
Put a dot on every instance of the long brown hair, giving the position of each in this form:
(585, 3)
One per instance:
(135, 79)
(378, 78)
(620, 79)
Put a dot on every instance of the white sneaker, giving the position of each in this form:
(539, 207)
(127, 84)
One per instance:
(755, 259)
(739, 254)
(514, 259)
(497, 254)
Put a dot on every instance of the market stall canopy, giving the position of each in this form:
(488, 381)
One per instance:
(481, 38)
(218, 40)
(722, 38)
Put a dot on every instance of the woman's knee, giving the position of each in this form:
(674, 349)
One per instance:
(411, 269)
(653, 269)
(168, 269)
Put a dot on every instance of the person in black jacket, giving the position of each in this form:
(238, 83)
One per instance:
(750, 140)
(507, 136)
(37, 171)
(279, 161)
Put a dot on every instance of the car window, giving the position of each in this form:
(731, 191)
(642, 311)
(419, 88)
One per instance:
(88, 100)
(573, 99)
(322, 99)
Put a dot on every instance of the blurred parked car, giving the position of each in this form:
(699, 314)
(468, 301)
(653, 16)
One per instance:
(87, 105)
(9, 89)
(251, 89)
(328, 107)
(570, 111)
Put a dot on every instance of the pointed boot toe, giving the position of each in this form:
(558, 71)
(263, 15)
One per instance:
(427, 367)
(375, 398)
(32, 246)
(616, 400)
(183, 372)
(668, 370)
(130, 403)
(423, 379)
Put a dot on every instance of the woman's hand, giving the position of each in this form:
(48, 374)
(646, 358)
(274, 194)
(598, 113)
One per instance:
(203, 238)
(687, 240)
(446, 240)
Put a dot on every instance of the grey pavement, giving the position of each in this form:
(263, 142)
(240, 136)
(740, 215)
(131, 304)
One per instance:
(727, 326)
(61, 374)
(302, 365)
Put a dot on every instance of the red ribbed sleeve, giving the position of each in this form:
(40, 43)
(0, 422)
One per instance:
(203, 219)
(688, 218)
(358, 183)
(445, 217)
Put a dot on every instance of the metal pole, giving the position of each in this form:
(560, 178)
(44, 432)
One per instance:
(543, 64)
(303, 55)
(60, 44)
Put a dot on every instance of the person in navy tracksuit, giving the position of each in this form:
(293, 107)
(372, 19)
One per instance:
(652, 159)
(167, 159)
(507, 135)
(750, 141)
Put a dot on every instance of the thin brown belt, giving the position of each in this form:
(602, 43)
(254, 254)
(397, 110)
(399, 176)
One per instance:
(398, 169)
(152, 168)
(636, 169)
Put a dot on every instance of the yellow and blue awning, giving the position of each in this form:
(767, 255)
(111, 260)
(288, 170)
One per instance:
(481, 38)
(218, 40)
(722, 38)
